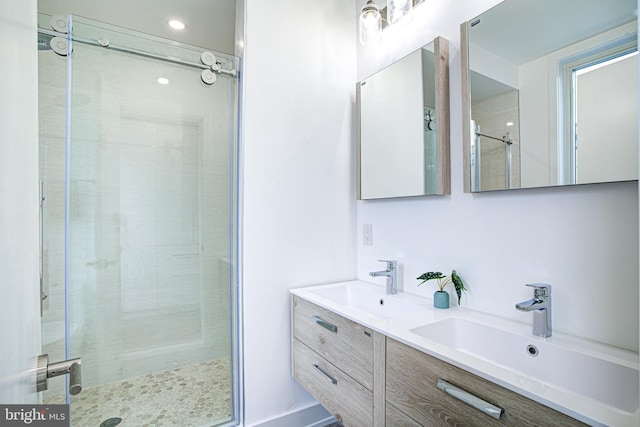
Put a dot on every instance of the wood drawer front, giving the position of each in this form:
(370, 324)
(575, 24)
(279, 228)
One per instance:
(350, 348)
(346, 399)
(396, 418)
(411, 387)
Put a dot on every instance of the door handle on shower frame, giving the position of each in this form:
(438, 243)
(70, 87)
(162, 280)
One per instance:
(46, 370)
(43, 294)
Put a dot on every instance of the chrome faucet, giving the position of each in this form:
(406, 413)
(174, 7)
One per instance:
(540, 304)
(391, 274)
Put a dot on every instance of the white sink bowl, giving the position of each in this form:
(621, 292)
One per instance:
(369, 299)
(601, 378)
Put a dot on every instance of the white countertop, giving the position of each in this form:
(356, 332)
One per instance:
(399, 328)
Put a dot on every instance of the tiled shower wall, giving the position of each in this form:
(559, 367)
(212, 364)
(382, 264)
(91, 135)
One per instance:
(149, 214)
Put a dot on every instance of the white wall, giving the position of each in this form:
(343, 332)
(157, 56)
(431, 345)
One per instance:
(582, 240)
(299, 179)
(19, 304)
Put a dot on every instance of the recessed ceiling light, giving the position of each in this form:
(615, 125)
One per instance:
(509, 123)
(163, 80)
(177, 24)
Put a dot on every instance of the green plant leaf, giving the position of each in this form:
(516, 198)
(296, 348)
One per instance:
(429, 276)
(458, 284)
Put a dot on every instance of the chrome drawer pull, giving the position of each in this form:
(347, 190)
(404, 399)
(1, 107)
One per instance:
(329, 377)
(468, 398)
(324, 324)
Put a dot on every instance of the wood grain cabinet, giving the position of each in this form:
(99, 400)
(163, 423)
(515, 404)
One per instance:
(411, 389)
(366, 379)
(333, 359)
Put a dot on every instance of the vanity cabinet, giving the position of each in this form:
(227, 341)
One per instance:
(346, 399)
(333, 359)
(414, 399)
(394, 417)
(365, 378)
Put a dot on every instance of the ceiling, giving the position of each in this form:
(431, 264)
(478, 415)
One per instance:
(210, 23)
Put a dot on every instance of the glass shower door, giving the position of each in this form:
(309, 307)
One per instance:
(150, 230)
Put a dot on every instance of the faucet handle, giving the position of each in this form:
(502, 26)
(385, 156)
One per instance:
(540, 289)
(391, 264)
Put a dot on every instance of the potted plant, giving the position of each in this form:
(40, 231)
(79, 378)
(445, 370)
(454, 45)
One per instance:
(440, 297)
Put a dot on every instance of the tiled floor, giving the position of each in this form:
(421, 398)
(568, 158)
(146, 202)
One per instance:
(196, 395)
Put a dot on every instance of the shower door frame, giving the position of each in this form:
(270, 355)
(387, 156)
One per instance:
(234, 301)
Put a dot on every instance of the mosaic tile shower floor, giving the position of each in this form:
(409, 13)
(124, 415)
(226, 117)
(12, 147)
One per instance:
(193, 396)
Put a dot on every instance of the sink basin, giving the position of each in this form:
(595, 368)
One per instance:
(369, 299)
(607, 381)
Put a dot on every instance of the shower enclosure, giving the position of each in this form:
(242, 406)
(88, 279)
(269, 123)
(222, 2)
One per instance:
(138, 166)
(495, 141)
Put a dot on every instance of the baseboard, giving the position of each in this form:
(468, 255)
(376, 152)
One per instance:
(311, 416)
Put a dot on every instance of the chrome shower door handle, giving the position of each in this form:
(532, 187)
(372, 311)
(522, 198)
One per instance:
(46, 370)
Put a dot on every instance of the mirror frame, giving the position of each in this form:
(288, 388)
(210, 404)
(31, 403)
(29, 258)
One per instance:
(443, 156)
(466, 107)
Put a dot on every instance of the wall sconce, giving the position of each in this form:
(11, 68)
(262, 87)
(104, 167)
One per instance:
(373, 19)
(370, 24)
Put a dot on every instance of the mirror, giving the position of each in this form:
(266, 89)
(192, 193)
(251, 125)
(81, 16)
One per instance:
(403, 126)
(550, 94)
